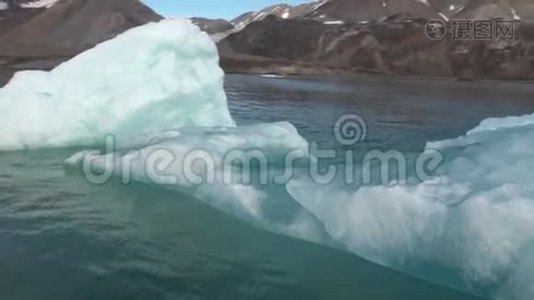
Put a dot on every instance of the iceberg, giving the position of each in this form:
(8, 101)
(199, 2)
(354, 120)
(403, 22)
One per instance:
(473, 230)
(194, 156)
(477, 222)
(158, 76)
(158, 91)
(231, 169)
(153, 92)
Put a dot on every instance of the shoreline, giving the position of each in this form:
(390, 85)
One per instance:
(375, 75)
(296, 69)
(434, 78)
(301, 70)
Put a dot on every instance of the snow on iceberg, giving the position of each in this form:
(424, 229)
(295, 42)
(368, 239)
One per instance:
(157, 76)
(478, 222)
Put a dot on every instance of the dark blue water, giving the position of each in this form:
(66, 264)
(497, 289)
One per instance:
(400, 113)
(64, 238)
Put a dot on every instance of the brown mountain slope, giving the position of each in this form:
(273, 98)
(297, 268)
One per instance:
(365, 10)
(10, 20)
(69, 27)
(212, 26)
(399, 47)
(343, 10)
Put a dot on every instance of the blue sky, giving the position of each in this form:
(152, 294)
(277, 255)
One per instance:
(227, 9)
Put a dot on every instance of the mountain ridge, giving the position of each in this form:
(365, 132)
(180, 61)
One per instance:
(338, 37)
(320, 37)
(67, 28)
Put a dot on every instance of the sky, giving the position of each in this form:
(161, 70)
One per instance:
(226, 9)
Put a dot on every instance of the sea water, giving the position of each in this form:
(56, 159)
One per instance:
(63, 237)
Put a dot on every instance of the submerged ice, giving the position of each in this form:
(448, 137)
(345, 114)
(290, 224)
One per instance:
(158, 76)
(477, 222)
(204, 161)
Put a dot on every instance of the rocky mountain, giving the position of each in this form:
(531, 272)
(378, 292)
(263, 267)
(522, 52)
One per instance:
(47, 32)
(326, 11)
(14, 13)
(484, 9)
(332, 11)
(281, 10)
(25, 4)
(10, 20)
(366, 10)
(320, 37)
(387, 37)
(213, 26)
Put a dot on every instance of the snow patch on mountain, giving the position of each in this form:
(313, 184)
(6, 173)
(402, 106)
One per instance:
(32, 4)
